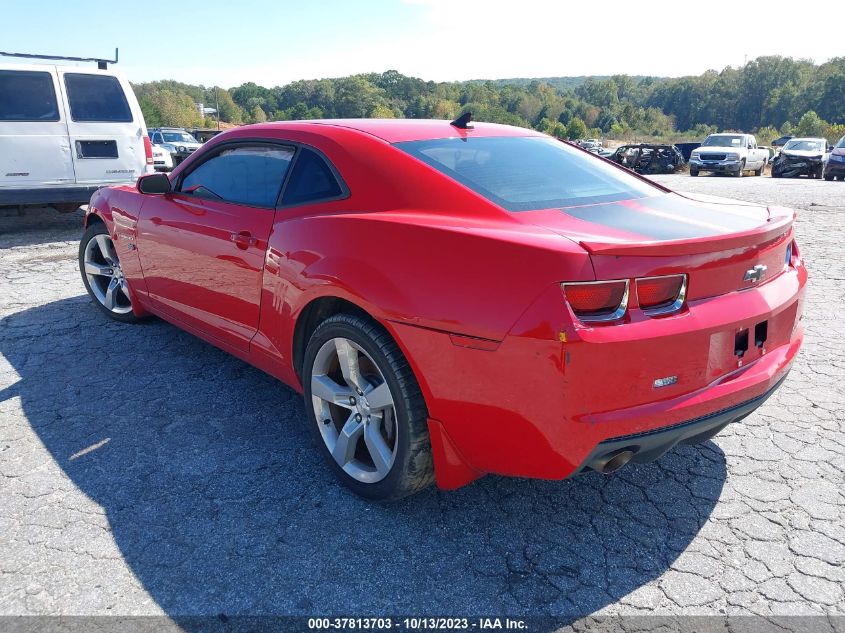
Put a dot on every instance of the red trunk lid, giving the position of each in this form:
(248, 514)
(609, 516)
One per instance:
(713, 240)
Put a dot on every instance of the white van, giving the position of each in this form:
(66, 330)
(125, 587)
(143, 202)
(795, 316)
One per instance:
(66, 131)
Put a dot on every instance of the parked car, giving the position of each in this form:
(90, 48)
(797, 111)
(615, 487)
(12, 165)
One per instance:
(801, 157)
(779, 142)
(649, 158)
(454, 300)
(835, 167)
(687, 149)
(203, 134)
(729, 154)
(175, 140)
(162, 159)
(66, 131)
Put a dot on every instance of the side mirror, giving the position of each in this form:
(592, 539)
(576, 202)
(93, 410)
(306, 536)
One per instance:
(155, 184)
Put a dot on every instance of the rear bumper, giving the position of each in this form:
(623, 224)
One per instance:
(542, 402)
(651, 445)
(48, 195)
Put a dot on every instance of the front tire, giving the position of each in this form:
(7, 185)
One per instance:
(366, 410)
(740, 173)
(693, 172)
(103, 276)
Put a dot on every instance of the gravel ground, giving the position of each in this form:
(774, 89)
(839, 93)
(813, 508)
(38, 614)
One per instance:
(144, 472)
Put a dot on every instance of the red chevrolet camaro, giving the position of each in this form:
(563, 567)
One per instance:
(455, 300)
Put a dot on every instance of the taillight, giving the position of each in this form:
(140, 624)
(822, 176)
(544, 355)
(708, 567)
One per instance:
(148, 150)
(661, 295)
(788, 258)
(597, 301)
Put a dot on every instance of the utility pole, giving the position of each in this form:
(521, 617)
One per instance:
(217, 108)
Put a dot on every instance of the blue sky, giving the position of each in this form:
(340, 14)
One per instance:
(273, 43)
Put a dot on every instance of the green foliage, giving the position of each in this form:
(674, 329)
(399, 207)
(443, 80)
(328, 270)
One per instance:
(764, 95)
(258, 115)
(834, 132)
(576, 129)
(765, 135)
(810, 125)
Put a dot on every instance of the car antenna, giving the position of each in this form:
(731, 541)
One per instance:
(102, 64)
(462, 122)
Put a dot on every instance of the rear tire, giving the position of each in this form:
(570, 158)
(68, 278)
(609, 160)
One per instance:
(366, 410)
(759, 172)
(828, 178)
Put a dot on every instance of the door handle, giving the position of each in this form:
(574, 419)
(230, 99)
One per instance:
(243, 240)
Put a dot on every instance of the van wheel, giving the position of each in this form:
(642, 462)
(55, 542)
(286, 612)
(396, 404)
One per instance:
(103, 276)
(366, 410)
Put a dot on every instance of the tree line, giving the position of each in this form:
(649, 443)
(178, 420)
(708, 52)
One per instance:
(768, 95)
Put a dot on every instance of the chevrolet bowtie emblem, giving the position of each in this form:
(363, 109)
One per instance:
(755, 274)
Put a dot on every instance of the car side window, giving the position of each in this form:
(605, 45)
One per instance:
(246, 174)
(27, 96)
(157, 138)
(311, 180)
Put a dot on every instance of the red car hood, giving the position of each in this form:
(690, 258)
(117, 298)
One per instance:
(666, 224)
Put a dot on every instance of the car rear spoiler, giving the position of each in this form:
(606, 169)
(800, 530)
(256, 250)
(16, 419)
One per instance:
(777, 226)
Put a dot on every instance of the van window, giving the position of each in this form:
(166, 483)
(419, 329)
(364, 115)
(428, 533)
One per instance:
(249, 174)
(96, 98)
(310, 180)
(27, 96)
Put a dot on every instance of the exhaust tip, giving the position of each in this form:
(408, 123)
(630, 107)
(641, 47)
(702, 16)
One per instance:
(607, 464)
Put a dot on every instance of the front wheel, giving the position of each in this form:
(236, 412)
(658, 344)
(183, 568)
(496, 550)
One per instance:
(102, 275)
(739, 174)
(366, 410)
(828, 177)
(693, 172)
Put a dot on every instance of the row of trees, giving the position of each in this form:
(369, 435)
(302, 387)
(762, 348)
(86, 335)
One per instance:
(769, 95)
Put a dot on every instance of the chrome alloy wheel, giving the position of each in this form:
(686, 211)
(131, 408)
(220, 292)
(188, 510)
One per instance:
(104, 275)
(354, 409)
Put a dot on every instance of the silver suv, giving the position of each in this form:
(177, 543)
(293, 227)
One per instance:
(175, 140)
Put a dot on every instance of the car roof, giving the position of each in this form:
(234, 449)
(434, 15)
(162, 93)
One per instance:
(399, 130)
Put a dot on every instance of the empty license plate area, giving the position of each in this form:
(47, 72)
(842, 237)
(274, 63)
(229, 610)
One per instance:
(96, 149)
(750, 342)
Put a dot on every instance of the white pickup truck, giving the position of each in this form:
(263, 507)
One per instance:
(729, 153)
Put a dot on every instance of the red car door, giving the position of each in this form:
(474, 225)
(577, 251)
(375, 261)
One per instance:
(202, 246)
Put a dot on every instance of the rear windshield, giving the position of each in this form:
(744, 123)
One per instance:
(96, 98)
(522, 173)
(27, 96)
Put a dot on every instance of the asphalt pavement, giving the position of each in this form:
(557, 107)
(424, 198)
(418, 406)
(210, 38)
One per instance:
(144, 472)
